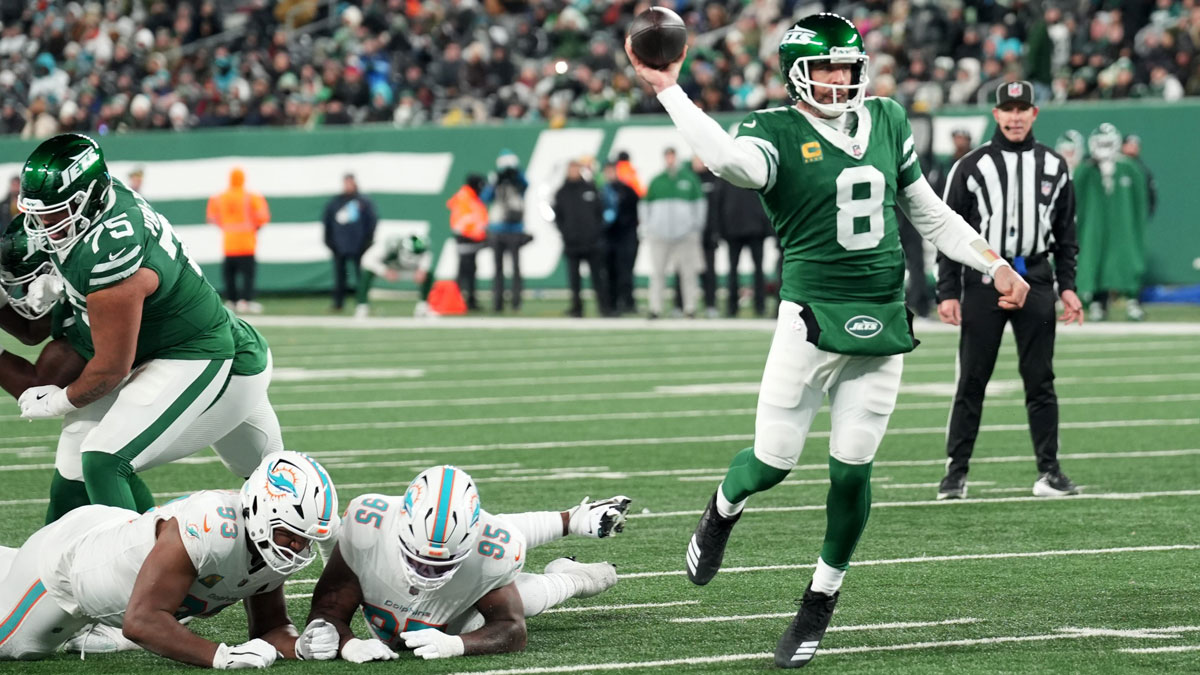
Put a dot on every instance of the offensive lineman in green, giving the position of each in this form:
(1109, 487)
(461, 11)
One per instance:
(829, 171)
(159, 346)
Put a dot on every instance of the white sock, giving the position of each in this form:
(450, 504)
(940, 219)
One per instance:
(538, 527)
(827, 579)
(726, 508)
(540, 592)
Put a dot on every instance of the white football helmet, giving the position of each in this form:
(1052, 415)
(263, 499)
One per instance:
(438, 525)
(288, 490)
(1104, 143)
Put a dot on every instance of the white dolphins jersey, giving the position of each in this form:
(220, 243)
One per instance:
(371, 548)
(94, 573)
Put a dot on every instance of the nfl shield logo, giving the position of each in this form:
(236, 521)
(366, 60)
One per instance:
(1014, 89)
(857, 150)
(1046, 187)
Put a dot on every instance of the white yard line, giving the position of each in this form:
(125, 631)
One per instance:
(609, 608)
(905, 561)
(675, 393)
(1161, 650)
(1103, 496)
(689, 414)
(767, 656)
(936, 559)
(834, 629)
(662, 325)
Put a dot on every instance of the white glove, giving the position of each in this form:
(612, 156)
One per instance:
(44, 401)
(598, 519)
(318, 642)
(257, 653)
(43, 292)
(432, 643)
(361, 651)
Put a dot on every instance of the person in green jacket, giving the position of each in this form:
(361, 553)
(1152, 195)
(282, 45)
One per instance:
(1111, 207)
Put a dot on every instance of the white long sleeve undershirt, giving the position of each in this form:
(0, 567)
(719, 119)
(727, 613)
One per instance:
(738, 161)
(947, 230)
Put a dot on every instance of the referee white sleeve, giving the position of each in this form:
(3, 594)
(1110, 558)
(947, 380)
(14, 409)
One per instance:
(738, 161)
(946, 229)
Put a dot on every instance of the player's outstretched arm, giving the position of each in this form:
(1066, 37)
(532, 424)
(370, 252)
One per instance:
(336, 596)
(503, 630)
(947, 230)
(736, 161)
(160, 588)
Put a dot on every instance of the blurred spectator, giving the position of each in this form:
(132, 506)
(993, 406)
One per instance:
(672, 217)
(1110, 191)
(744, 225)
(1131, 147)
(136, 178)
(579, 214)
(468, 223)
(505, 196)
(155, 64)
(240, 214)
(710, 240)
(349, 219)
(10, 210)
(627, 174)
(621, 234)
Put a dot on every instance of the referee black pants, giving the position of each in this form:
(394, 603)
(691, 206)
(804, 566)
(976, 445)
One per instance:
(979, 342)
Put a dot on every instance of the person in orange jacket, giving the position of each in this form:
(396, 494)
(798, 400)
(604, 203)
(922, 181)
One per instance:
(468, 222)
(239, 213)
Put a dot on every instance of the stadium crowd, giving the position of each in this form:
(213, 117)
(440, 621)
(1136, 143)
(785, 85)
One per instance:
(129, 65)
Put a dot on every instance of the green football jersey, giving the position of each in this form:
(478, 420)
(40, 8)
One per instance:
(830, 197)
(183, 318)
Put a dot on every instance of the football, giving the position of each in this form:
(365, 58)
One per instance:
(657, 37)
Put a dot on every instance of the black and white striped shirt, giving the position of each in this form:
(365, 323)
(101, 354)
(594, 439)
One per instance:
(1019, 197)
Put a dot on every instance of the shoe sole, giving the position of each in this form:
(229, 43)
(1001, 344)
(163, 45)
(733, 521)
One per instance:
(1047, 491)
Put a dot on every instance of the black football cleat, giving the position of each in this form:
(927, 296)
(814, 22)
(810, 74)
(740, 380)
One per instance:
(707, 547)
(953, 486)
(798, 645)
(1054, 484)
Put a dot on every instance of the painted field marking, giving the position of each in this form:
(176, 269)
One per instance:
(1060, 634)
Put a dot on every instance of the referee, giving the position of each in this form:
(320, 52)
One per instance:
(1018, 194)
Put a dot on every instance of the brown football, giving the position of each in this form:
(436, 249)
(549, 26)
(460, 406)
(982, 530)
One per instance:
(658, 37)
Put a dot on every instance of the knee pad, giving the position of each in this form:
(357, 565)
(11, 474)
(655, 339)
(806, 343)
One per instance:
(779, 444)
(856, 445)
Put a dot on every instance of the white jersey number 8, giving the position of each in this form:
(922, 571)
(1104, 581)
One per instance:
(851, 209)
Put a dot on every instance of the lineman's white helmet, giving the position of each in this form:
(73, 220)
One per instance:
(288, 490)
(438, 525)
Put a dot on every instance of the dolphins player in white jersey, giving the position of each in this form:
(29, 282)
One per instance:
(434, 572)
(190, 557)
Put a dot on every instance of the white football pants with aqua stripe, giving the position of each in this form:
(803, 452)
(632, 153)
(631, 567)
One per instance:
(33, 623)
(239, 424)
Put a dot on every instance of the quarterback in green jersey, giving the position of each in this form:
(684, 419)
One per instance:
(829, 170)
(159, 348)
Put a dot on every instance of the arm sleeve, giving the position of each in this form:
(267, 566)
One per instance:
(262, 213)
(746, 161)
(1066, 238)
(947, 230)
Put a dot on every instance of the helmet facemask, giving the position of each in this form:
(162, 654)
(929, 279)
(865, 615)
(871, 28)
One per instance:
(56, 227)
(438, 526)
(17, 288)
(846, 97)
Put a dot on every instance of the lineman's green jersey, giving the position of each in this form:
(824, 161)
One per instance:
(250, 347)
(183, 319)
(831, 198)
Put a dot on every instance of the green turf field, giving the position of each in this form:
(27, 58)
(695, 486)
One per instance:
(542, 416)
